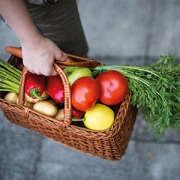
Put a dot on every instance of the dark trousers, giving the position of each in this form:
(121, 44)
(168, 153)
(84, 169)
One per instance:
(60, 22)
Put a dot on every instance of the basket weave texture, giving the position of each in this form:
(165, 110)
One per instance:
(110, 144)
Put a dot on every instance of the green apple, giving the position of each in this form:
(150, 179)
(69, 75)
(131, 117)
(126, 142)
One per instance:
(78, 73)
(69, 69)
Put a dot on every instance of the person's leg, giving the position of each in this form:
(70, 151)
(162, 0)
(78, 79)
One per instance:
(61, 23)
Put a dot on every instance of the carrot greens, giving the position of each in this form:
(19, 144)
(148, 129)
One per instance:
(156, 91)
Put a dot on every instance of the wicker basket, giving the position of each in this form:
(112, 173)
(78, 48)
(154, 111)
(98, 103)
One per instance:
(110, 144)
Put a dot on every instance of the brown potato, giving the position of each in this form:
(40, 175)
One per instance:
(34, 100)
(26, 103)
(45, 108)
(60, 114)
(11, 97)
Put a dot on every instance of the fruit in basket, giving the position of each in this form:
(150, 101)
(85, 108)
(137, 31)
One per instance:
(44, 96)
(100, 117)
(85, 93)
(76, 73)
(76, 114)
(35, 86)
(60, 114)
(69, 69)
(145, 83)
(55, 88)
(52, 101)
(27, 103)
(113, 87)
(11, 97)
(46, 108)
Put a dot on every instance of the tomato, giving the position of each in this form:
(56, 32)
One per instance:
(113, 87)
(76, 113)
(85, 93)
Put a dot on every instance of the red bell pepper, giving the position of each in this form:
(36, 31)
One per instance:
(55, 88)
(35, 85)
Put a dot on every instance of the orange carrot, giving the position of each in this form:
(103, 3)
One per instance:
(18, 52)
(14, 51)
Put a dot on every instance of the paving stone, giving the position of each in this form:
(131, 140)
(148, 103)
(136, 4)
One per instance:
(156, 161)
(59, 162)
(142, 133)
(19, 153)
(141, 161)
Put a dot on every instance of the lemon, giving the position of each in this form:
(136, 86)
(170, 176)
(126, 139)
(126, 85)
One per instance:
(100, 117)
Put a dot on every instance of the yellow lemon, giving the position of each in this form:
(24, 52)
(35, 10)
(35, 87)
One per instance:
(100, 117)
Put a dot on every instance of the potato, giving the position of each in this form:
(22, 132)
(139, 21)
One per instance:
(27, 104)
(30, 99)
(52, 101)
(11, 97)
(34, 100)
(60, 114)
(46, 108)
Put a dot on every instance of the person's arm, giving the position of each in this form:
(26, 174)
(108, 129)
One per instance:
(38, 52)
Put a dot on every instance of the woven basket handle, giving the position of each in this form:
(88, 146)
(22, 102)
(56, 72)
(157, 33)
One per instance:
(67, 93)
(82, 61)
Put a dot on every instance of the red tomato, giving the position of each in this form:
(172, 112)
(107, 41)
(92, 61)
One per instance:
(113, 87)
(76, 113)
(85, 93)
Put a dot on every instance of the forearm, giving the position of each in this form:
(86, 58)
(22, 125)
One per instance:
(37, 50)
(17, 17)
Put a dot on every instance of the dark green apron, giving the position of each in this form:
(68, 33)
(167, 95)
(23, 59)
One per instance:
(61, 23)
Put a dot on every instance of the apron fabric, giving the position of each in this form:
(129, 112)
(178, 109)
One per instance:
(60, 22)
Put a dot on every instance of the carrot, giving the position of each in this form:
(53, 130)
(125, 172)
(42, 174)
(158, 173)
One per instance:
(18, 52)
(68, 60)
(14, 50)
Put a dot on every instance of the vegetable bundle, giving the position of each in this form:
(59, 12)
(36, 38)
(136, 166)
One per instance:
(156, 89)
(9, 77)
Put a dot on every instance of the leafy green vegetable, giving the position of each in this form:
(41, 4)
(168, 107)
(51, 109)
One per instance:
(156, 91)
(9, 77)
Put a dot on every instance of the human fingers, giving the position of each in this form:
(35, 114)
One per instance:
(60, 55)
